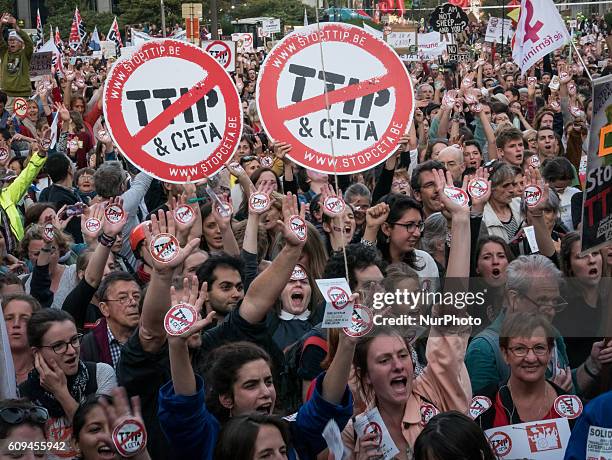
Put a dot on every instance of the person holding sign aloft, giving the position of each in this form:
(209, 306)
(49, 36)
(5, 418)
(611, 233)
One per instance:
(104, 427)
(385, 372)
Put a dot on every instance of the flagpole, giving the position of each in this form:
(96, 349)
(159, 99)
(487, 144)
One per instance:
(586, 69)
(163, 18)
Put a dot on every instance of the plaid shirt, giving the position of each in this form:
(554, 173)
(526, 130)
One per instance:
(114, 346)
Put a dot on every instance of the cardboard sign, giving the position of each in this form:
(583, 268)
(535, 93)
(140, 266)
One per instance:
(599, 443)
(448, 19)
(455, 54)
(597, 207)
(371, 104)
(109, 49)
(41, 64)
(224, 51)
(173, 124)
(338, 308)
(372, 422)
(333, 438)
(271, 26)
(244, 42)
(542, 440)
(499, 29)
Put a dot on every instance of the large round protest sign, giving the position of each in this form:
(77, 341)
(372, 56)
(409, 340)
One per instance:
(222, 52)
(369, 92)
(448, 19)
(173, 124)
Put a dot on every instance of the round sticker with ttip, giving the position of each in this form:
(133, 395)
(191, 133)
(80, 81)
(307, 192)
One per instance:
(48, 232)
(225, 209)
(129, 437)
(266, 162)
(339, 297)
(180, 319)
(362, 322)
(568, 406)
(428, 411)
(375, 429)
(479, 405)
(501, 443)
(93, 225)
(114, 213)
(4, 154)
(298, 226)
(457, 195)
(184, 214)
(533, 195)
(259, 202)
(164, 248)
(534, 161)
(298, 273)
(334, 205)
(478, 187)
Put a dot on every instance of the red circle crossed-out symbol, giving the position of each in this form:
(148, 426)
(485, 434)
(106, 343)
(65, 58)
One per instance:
(221, 52)
(275, 118)
(132, 145)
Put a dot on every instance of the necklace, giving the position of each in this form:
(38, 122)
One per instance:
(541, 412)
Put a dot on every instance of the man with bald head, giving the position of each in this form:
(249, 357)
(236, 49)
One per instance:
(452, 158)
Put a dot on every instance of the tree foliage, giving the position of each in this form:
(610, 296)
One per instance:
(290, 12)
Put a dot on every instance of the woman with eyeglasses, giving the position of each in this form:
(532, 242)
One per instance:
(586, 291)
(395, 226)
(527, 343)
(21, 423)
(60, 381)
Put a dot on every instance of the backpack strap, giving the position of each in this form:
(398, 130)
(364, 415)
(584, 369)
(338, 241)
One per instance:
(503, 370)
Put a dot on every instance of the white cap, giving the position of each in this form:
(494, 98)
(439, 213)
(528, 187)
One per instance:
(15, 35)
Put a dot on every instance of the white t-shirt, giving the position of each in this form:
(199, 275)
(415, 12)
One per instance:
(566, 207)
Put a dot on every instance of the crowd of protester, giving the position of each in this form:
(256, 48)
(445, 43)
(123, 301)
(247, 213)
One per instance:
(257, 376)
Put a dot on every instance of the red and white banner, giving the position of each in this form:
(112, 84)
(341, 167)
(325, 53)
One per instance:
(173, 125)
(77, 31)
(540, 31)
(114, 35)
(369, 93)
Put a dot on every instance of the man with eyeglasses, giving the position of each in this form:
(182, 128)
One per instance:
(424, 186)
(119, 295)
(532, 286)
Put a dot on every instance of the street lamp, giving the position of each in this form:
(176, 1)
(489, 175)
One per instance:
(163, 18)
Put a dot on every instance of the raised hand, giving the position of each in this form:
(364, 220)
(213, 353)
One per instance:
(113, 229)
(443, 181)
(533, 177)
(164, 223)
(377, 215)
(91, 230)
(293, 226)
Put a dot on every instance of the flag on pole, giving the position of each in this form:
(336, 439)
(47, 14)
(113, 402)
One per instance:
(94, 41)
(305, 18)
(115, 36)
(77, 31)
(40, 34)
(58, 40)
(540, 31)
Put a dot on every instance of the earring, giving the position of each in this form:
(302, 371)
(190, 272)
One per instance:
(388, 239)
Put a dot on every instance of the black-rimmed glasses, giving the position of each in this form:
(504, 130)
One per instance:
(60, 348)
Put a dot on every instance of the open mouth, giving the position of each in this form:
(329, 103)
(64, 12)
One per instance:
(105, 451)
(296, 299)
(496, 272)
(71, 361)
(594, 271)
(399, 383)
(264, 408)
